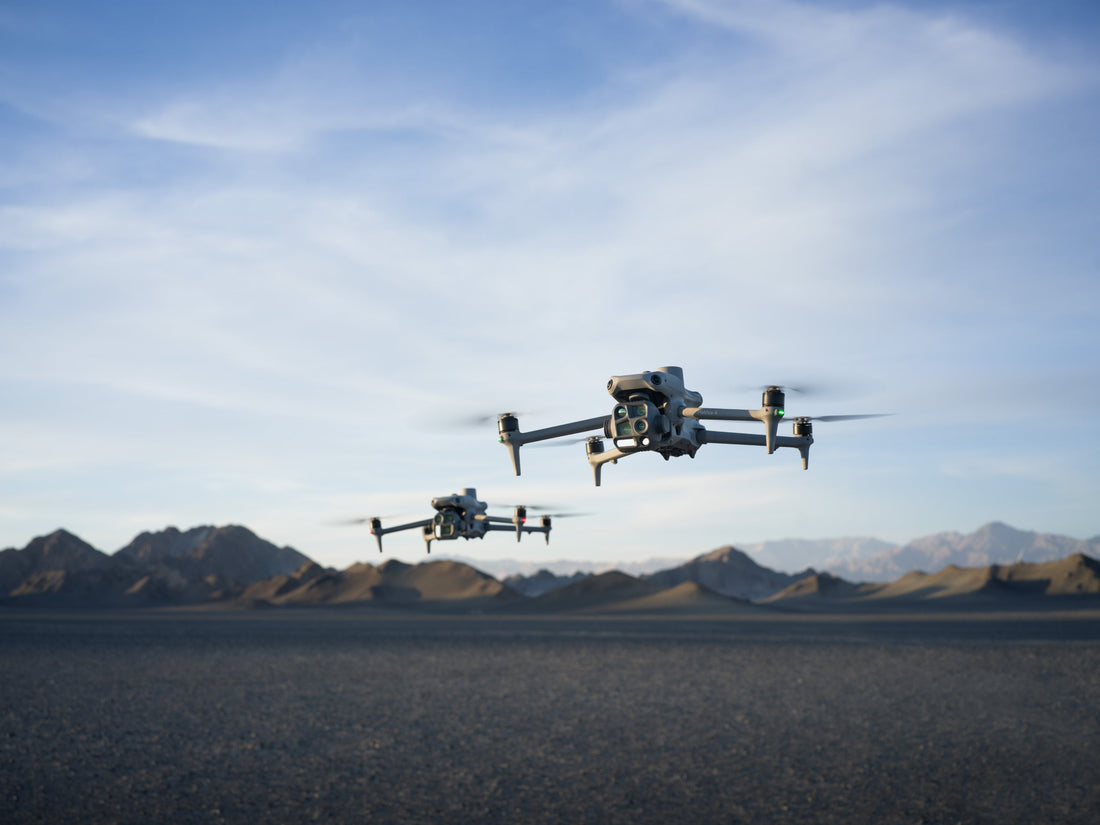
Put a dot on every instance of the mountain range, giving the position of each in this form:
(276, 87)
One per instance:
(198, 565)
(994, 543)
(232, 567)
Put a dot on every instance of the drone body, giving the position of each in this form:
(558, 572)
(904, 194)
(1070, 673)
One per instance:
(462, 516)
(655, 412)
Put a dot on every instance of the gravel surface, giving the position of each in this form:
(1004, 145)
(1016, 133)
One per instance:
(353, 717)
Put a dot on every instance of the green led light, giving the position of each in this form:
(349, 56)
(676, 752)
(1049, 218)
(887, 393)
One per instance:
(780, 413)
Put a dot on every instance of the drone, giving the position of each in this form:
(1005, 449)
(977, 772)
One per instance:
(461, 515)
(655, 412)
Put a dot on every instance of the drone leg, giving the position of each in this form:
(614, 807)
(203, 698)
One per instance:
(598, 457)
(513, 450)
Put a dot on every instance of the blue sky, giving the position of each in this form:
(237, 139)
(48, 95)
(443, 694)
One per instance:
(257, 259)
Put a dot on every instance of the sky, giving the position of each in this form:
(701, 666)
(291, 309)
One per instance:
(261, 264)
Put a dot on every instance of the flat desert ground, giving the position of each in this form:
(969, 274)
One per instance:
(355, 716)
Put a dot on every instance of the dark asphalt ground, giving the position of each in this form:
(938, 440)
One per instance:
(325, 716)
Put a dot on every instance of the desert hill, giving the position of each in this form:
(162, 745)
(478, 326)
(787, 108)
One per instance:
(391, 583)
(818, 584)
(270, 591)
(1076, 575)
(593, 592)
(686, 598)
(1004, 585)
(728, 572)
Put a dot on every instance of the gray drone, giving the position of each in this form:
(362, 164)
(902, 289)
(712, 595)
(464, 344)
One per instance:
(654, 412)
(462, 516)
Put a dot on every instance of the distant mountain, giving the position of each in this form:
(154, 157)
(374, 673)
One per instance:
(231, 566)
(542, 582)
(798, 554)
(226, 556)
(995, 543)
(728, 572)
(168, 567)
(60, 550)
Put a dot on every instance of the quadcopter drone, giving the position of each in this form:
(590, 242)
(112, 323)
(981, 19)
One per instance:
(462, 516)
(654, 412)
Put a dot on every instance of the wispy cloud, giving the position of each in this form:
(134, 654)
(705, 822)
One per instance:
(309, 244)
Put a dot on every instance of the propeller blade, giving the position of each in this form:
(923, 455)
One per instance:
(366, 519)
(481, 419)
(535, 508)
(851, 417)
(802, 388)
(827, 418)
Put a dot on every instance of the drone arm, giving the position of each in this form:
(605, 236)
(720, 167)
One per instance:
(523, 528)
(409, 526)
(720, 414)
(748, 439)
(770, 416)
(377, 530)
(509, 526)
(799, 442)
(513, 439)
